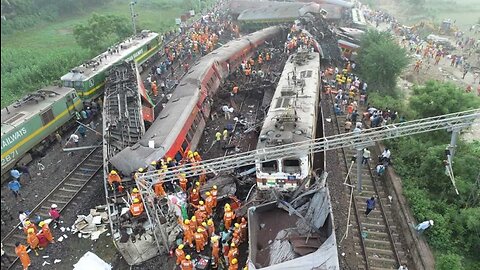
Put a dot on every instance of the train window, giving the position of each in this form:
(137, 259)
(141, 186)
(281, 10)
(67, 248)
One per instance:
(190, 133)
(47, 116)
(184, 145)
(291, 166)
(270, 166)
(78, 84)
(178, 156)
(68, 83)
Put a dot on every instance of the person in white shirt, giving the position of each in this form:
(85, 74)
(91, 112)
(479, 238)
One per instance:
(386, 155)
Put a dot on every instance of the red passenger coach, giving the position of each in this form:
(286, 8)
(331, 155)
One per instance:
(180, 125)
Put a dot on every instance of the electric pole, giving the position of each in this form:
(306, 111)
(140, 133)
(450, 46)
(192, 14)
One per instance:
(134, 16)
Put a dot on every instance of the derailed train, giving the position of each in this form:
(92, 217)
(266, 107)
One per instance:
(180, 125)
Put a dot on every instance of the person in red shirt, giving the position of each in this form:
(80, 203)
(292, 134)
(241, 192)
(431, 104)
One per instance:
(55, 215)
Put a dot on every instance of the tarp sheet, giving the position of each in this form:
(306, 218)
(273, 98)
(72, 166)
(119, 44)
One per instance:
(91, 261)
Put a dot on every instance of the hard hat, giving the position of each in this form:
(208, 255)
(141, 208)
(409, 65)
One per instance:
(201, 203)
(232, 244)
(204, 224)
(28, 222)
(140, 169)
(214, 187)
(113, 172)
(180, 246)
(210, 222)
(135, 190)
(208, 193)
(169, 159)
(431, 222)
(194, 190)
(197, 183)
(237, 225)
(234, 261)
(190, 155)
(199, 230)
(190, 152)
(194, 218)
(136, 200)
(183, 174)
(196, 154)
(186, 221)
(227, 205)
(165, 167)
(153, 163)
(54, 206)
(188, 257)
(41, 223)
(31, 230)
(214, 238)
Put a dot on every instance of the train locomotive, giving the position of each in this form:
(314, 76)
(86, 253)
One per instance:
(31, 120)
(291, 118)
(180, 125)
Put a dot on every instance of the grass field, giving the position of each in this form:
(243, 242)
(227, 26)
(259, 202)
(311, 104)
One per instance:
(27, 52)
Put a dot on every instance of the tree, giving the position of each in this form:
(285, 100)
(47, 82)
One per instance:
(381, 61)
(436, 98)
(101, 31)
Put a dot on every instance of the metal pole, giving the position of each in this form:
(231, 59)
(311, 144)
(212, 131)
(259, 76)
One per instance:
(453, 144)
(80, 148)
(359, 168)
(132, 13)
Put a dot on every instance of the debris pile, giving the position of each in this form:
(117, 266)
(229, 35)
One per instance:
(92, 225)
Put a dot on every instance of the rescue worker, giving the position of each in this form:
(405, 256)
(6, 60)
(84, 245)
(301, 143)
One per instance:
(199, 240)
(32, 240)
(187, 233)
(204, 229)
(228, 217)
(233, 252)
(197, 156)
(201, 212)
(214, 193)
(183, 181)
(243, 229)
(180, 254)
(193, 224)
(209, 203)
(211, 227)
(136, 209)
(159, 190)
(225, 134)
(187, 264)
(22, 253)
(237, 233)
(46, 231)
(136, 194)
(115, 181)
(215, 251)
(233, 264)
(194, 197)
(29, 225)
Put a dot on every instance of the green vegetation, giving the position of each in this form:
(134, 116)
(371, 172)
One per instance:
(455, 237)
(101, 31)
(38, 45)
(381, 60)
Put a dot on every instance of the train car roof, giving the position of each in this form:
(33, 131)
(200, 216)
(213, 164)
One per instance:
(279, 11)
(28, 106)
(292, 101)
(86, 70)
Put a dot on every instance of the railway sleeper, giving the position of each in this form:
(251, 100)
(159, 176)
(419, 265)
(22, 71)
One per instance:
(57, 201)
(383, 251)
(68, 190)
(72, 184)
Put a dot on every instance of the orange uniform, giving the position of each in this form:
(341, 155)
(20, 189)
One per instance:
(233, 266)
(232, 253)
(180, 255)
(193, 224)
(21, 252)
(113, 177)
(215, 252)
(188, 237)
(136, 209)
(136, 195)
(243, 229)
(159, 190)
(227, 218)
(47, 233)
(194, 197)
(199, 241)
(183, 183)
(209, 205)
(32, 240)
(186, 265)
(31, 225)
(214, 193)
(211, 230)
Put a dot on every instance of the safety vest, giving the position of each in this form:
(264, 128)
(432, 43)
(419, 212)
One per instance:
(136, 209)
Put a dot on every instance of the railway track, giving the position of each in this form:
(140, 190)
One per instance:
(377, 239)
(62, 195)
